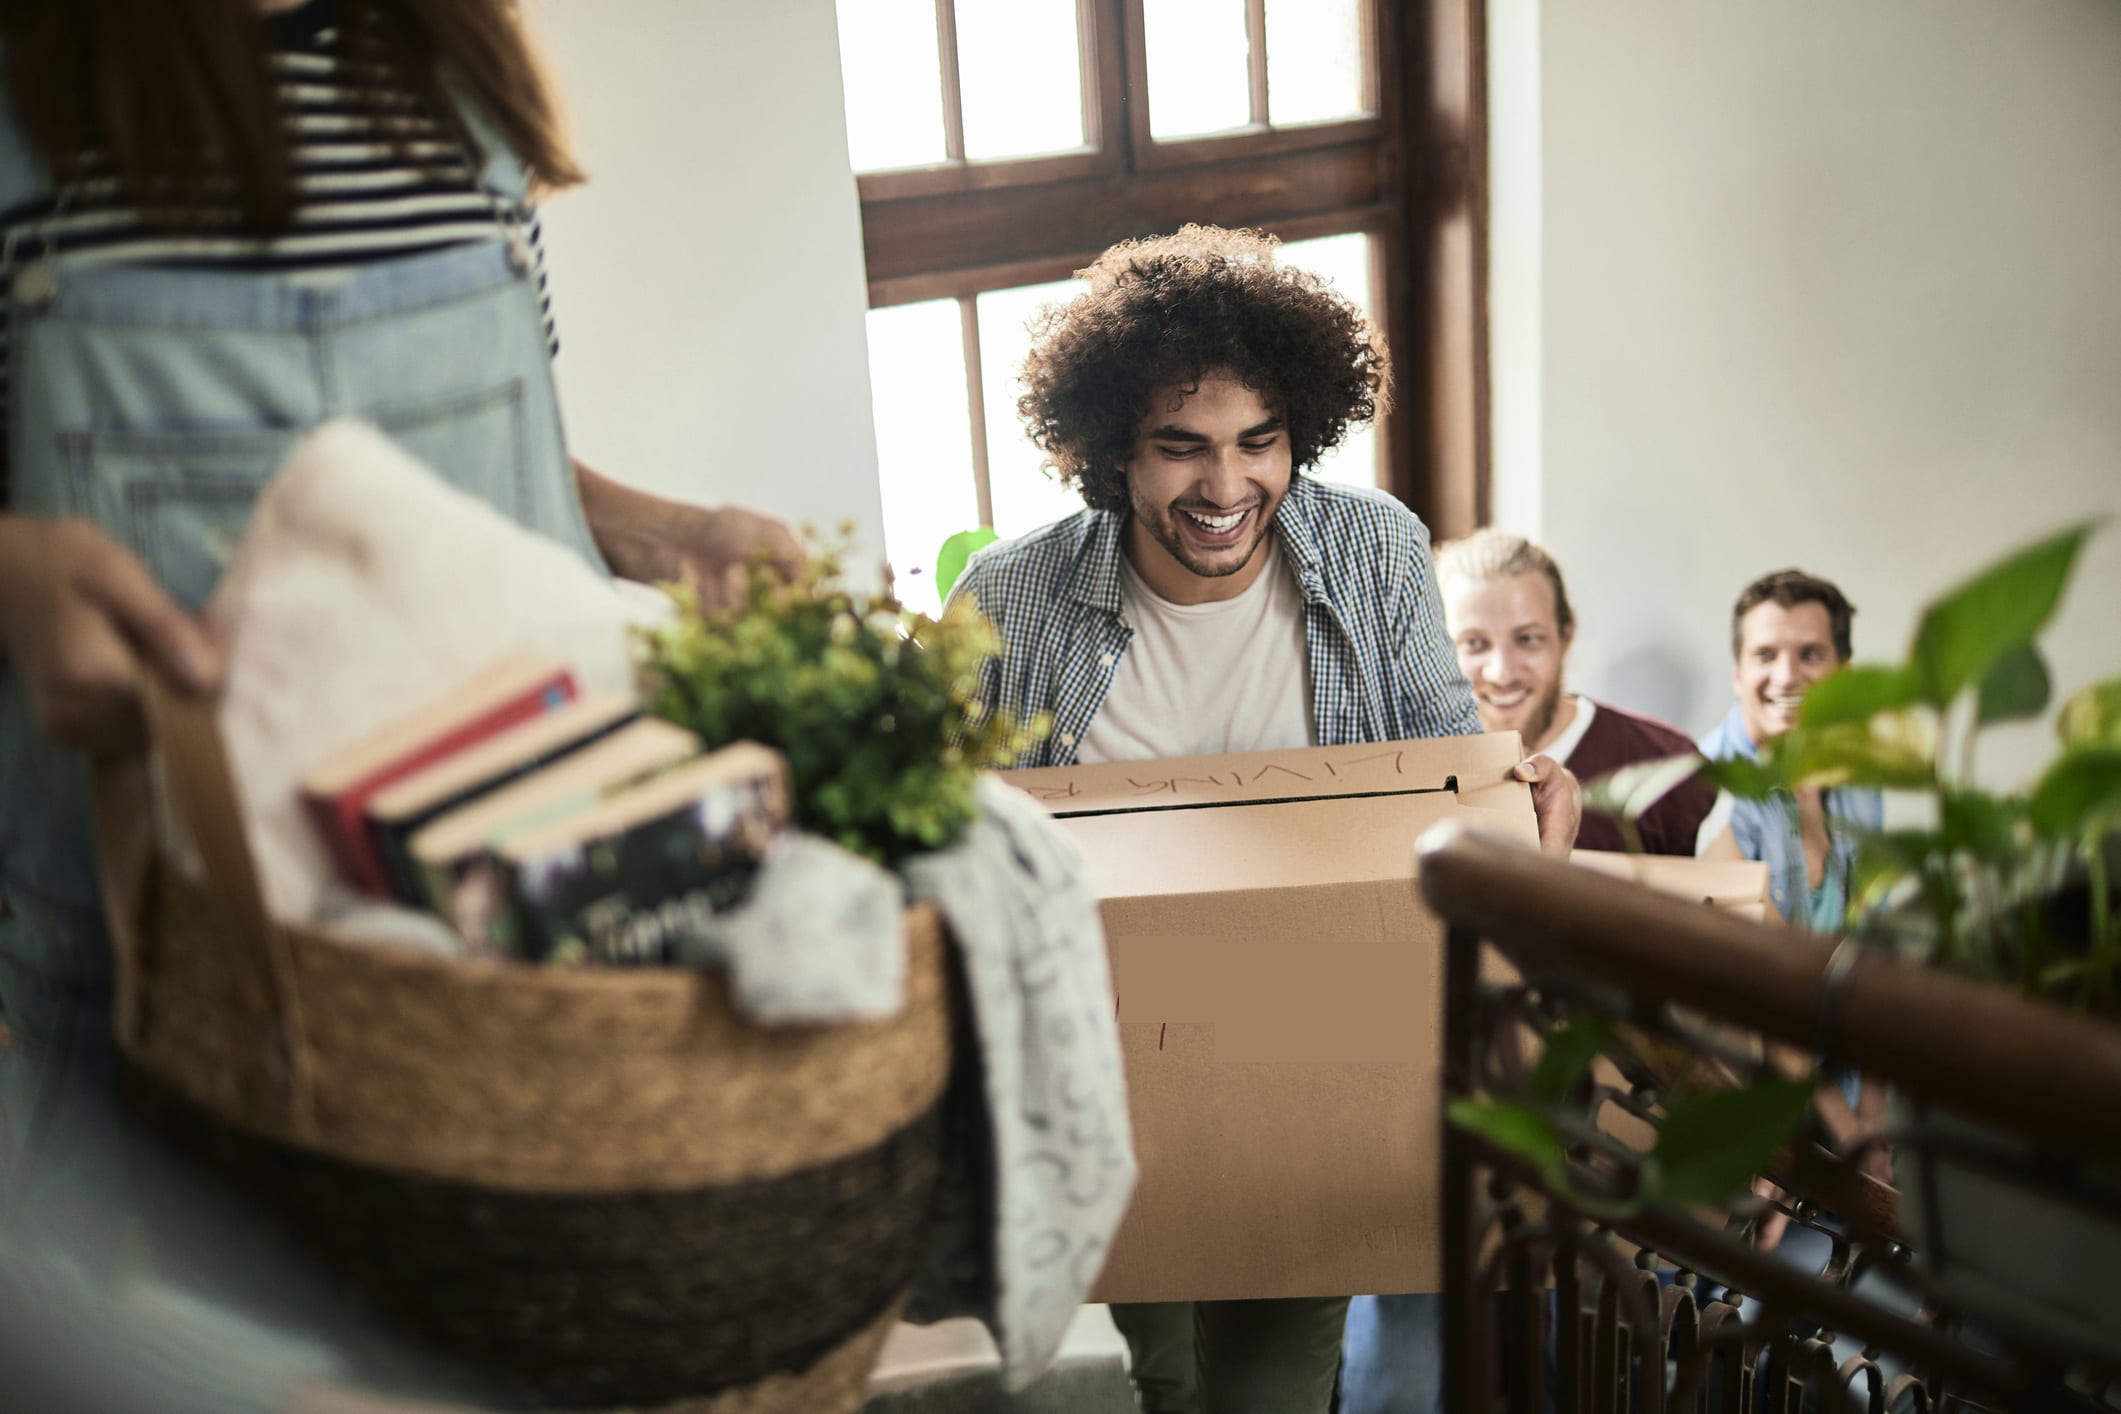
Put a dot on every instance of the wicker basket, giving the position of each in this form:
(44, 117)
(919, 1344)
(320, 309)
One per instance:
(602, 1186)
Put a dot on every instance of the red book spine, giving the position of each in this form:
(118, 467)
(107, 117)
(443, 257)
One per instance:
(342, 818)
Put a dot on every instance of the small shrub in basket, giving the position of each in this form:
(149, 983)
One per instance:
(874, 706)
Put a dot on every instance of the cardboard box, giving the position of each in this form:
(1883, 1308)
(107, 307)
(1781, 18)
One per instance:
(1278, 983)
(1737, 886)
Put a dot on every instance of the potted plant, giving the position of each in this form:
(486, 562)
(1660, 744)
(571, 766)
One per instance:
(875, 707)
(2017, 888)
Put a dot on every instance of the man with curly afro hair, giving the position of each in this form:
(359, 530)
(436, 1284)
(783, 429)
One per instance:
(1211, 597)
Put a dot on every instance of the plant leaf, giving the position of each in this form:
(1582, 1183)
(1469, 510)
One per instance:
(1567, 1059)
(1963, 634)
(2015, 686)
(1514, 1129)
(1633, 789)
(2092, 716)
(1979, 824)
(1895, 748)
(950, 561)
(1883, 860)
(1743, 777)
(1710, 1146)
(1856, 694)
(2078, 792)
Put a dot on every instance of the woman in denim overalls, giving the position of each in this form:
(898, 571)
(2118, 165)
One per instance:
(147, 406)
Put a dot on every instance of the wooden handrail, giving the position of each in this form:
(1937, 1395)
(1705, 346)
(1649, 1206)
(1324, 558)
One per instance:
(1985, 1051)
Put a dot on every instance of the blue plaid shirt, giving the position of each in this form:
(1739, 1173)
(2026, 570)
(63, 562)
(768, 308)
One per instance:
(1382, 666)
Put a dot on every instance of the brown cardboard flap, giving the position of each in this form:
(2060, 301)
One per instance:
(1286, 844)
(1737, 885)
(1256, 777)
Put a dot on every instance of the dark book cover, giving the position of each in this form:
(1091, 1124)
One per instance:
(393, 838)
(629, 894)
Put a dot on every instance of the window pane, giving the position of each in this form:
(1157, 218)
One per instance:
(1197, 52)
(1026, 496)
(1314, 60)
(894, 83)
(1345, 262)
(923, 439)
(1020, 77)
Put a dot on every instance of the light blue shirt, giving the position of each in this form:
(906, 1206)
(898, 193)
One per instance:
(1767, 831)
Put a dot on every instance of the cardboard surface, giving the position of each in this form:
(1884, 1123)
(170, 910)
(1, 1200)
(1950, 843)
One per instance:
(1278, 983)
(1737, 886)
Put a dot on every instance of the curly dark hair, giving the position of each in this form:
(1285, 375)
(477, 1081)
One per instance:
(1173, 309)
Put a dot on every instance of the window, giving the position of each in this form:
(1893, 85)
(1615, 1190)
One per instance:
(1001, 144)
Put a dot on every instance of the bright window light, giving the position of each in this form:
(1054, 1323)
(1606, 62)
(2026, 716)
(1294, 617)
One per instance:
(1198, 81)
(1345, 262)
(923, 440)
(1314, 61)
(893, 80)
(1020, 76)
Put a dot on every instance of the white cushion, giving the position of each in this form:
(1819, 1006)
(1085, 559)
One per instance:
(364, 588)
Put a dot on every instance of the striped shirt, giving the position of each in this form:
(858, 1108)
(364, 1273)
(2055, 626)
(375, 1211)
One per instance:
(1382, 667)
(361, 195)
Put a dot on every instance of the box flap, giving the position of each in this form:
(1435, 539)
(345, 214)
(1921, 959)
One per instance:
(1247, 848)
(1462, 763)
(1737, 885)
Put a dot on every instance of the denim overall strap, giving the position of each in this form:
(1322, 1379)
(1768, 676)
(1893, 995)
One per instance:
(157, 402)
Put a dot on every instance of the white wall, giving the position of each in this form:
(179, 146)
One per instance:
(708, 280)
(1834, 283)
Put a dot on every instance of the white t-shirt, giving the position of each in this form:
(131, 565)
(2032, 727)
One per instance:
(1199, 679)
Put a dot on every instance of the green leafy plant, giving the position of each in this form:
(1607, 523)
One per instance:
(1708, 1142)
(874, 706)
(2012, 886)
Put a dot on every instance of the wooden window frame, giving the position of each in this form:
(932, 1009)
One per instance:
(1413, 175)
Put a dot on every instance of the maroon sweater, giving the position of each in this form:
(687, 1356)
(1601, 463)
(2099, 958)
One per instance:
(1615, 739)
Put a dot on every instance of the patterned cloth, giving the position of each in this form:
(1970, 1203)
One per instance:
(1042, 1162)
(1382, 668)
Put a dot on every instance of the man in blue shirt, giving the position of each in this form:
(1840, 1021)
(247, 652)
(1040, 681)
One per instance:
(1212, 598)
(1788, 630)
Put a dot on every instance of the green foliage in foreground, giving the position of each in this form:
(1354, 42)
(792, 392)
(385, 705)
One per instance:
(2016, 887)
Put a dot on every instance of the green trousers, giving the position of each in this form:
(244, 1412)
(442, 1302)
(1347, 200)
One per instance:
(1234, 1357)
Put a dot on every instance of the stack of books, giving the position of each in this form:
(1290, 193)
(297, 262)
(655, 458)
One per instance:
(550, 825)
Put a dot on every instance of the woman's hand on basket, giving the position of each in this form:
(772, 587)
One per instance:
(82, 619)
(656, 541)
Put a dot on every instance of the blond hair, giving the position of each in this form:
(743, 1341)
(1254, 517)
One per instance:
(1497, 554)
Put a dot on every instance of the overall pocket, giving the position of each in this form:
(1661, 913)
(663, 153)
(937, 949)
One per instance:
(472, 440)
(182, 498)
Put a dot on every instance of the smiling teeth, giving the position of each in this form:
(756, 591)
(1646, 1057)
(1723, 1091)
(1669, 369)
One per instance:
(1218, 523)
